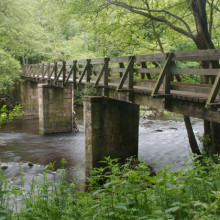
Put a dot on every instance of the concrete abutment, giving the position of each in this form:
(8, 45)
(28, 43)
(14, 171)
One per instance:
(27, 92)
(111, 129)
(55, 109)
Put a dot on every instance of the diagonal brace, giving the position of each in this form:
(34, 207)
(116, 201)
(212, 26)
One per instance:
(104, 68)
(127, 70)
(214, 91)
(163, 73)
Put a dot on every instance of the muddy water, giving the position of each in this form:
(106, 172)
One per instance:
(162, 141)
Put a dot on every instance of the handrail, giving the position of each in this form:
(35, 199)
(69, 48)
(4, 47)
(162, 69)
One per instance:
(129, 73)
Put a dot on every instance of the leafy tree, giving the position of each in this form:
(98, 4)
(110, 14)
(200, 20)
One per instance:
(10, 70)
(183, 23)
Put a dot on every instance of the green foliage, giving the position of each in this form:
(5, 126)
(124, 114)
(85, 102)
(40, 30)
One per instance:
(10, 70)
(88, 91)
(7, 115)
(117, 191)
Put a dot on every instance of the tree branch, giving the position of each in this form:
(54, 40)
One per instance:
(159, 19)
(214, 6)
(211, 18)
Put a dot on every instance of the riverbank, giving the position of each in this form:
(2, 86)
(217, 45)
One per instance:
(126, 192)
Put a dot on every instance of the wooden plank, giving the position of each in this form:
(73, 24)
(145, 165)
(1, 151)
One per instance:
(69, 63)
(84, 61)
(162, 75)
(198, 55)
(119, 59)
(207, 72)
(117, 70)
(126, 72)
(148, 70)
(96, 69)
(150, 57)
(214, 91)
(98, 61)
(103, 70)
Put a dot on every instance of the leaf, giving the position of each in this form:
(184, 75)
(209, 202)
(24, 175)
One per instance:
(94, 206)
(6, 211)
(202, 204)
(98, 191)
(110, 214)
(173, 209)
(121, 207)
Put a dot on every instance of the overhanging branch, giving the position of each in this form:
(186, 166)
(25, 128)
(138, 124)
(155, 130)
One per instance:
(140, 11)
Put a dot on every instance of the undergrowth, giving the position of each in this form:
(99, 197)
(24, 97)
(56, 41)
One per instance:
(117, 191)
(88, 91)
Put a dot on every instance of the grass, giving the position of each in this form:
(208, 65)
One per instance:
(117, 191)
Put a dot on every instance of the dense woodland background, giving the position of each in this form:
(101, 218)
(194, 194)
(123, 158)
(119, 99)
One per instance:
(54, 30)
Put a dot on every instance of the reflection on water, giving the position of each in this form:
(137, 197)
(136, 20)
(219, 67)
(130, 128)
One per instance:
(162, 141)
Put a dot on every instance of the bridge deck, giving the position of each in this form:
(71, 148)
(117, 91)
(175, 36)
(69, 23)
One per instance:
(156, 80)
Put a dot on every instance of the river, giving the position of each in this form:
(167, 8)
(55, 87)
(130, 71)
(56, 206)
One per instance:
(162, 141)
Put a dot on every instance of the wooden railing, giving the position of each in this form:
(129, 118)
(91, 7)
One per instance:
(157, 75)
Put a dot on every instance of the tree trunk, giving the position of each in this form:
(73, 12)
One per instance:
(192, 140)
(203, 41)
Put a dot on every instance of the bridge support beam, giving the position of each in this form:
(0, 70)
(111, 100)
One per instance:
(55, 109)
(111, 129)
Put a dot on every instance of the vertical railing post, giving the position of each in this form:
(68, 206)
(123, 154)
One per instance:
(74, 73)
(38, 71)
(121, 65)
(29, 70)
(106, 75)
(34, 71)
(48, 72)
(64, 72)
(144, 65)
(131, 74)
(42, 71)
(24, 67)
(88, 72)
(55, 73)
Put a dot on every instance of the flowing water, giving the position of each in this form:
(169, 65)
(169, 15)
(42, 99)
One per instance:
(162, 141)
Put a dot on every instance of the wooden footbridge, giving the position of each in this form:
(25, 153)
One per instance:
(171, 81)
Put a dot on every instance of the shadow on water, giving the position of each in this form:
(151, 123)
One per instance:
(162, 141)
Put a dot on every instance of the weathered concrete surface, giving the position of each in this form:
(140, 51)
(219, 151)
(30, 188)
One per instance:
(111, 129)
(28, 93)
(55, 109)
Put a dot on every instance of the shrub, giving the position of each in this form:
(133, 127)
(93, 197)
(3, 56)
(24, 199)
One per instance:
(10, 71)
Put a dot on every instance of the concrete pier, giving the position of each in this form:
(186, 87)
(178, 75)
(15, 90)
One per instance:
(27, 91)
(55, 109)
(111, 129)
